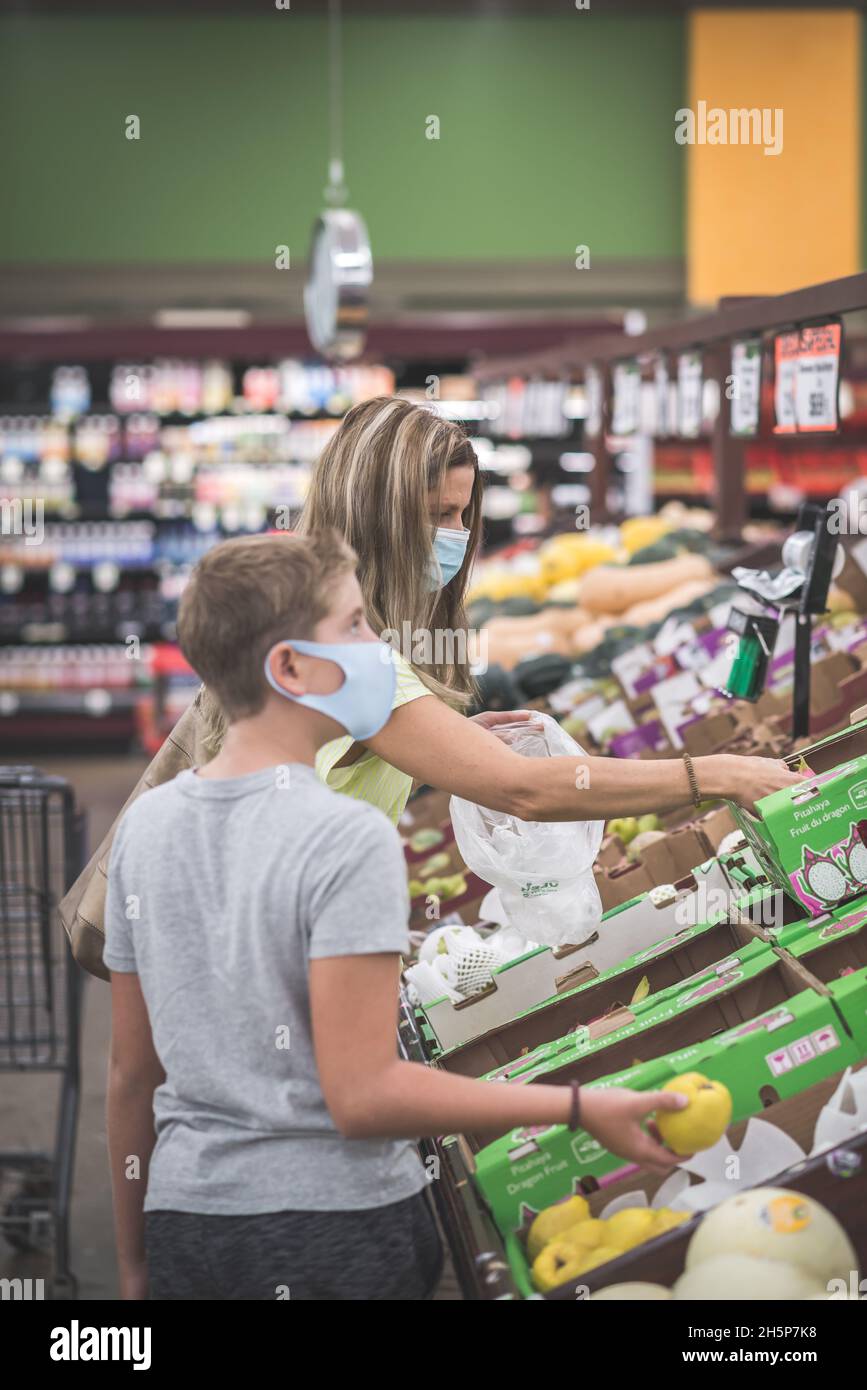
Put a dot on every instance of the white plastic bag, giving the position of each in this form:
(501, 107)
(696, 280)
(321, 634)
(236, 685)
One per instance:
(543, 871)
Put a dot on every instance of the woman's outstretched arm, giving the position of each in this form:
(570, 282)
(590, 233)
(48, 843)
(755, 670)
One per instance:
(435, 745)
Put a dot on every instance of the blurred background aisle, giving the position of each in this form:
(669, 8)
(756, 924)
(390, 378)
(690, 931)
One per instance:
(546, 251)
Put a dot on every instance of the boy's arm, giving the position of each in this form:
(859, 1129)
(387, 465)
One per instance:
(134, 1072)
(358, 912)
(370, 1093)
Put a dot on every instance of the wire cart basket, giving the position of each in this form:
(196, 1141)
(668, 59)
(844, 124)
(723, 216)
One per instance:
(41, 843)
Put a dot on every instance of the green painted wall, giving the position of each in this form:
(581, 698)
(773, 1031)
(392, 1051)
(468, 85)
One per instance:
(555, 131)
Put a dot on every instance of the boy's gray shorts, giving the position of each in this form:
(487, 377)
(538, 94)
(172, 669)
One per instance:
(391, 1253)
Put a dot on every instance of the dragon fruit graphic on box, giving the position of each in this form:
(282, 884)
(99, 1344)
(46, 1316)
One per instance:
(813, 836)
(777, 1018)
(668, 944)
(710, 987)
(820, 880)
(505, 1073)
(520, 1136)
(842, 924)
(855, 851)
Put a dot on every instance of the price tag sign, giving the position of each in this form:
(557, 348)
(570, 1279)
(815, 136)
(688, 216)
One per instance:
(744, 387)
(689, 392)
(627, 398)
(662, 385)
(787, 352)
(593, 395)
(817, 378)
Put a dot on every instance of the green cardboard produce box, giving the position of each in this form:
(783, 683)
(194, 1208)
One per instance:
(795, 1116)
(835, 946)
(749, 984)
(779, 916)
(670, 963)
(850, 996)
(828, 753)
(705, 894)
(812, 837)
(777, 1054)
(835, 952)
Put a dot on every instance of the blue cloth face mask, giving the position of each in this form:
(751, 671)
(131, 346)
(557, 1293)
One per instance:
(363, 702)
(450, 547)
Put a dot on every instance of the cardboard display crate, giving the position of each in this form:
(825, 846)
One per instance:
(775, 1055)
(828, 753)
(754, 980)
(671, 962)
(812, 838)
(661, 1261)
(780, 917)
(546, 971)
(836, 947)
(849, 994)
(665, 861)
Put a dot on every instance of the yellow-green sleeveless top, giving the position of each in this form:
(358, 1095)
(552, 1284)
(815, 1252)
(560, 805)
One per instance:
(370, 778)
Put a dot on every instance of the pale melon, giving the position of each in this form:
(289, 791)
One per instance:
(772, 1223)
(744, 1278)
(635, 1292)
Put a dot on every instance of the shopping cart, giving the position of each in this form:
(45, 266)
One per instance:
(41, 842)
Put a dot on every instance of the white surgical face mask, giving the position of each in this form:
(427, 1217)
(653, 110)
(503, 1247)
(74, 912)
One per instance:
(363, 702)
(450, 548)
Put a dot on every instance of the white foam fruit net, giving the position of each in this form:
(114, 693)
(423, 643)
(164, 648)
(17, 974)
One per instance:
(457, 962)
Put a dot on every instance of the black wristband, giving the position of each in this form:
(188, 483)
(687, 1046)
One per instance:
(575, 1109)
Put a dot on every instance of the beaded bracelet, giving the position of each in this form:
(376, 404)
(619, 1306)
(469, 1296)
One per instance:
(693, 780)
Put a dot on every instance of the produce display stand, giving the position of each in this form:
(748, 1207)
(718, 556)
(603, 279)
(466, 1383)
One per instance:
(827, 1178)
(713, 335)
(484, 1197)
(475, 1245)
(835, 1178)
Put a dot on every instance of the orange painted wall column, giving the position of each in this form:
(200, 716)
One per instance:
(762, 223)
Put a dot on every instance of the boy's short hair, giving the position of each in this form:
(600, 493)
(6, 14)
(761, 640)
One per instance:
(245, 595)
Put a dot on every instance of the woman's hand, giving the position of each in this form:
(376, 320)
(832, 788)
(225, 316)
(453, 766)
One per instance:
(746, 780)
(613, 1115)
(489, 719)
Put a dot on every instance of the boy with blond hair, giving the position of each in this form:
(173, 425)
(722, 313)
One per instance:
(260, 1122)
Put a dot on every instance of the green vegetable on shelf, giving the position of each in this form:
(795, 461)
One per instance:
(626, 827)
(453, 886)
(434, 865)
(425, 839)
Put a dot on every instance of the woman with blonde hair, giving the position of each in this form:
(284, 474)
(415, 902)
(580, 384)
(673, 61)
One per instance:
(402, 485)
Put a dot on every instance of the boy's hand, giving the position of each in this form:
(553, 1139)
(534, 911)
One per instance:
(614, 1116)
(133, 1281)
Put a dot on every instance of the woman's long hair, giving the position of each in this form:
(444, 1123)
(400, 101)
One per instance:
(372, 484)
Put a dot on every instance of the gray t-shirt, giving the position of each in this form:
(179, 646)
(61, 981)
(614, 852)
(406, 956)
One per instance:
(219, 894)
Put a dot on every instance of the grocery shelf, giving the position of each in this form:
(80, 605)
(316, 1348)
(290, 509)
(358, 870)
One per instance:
(94, 702)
